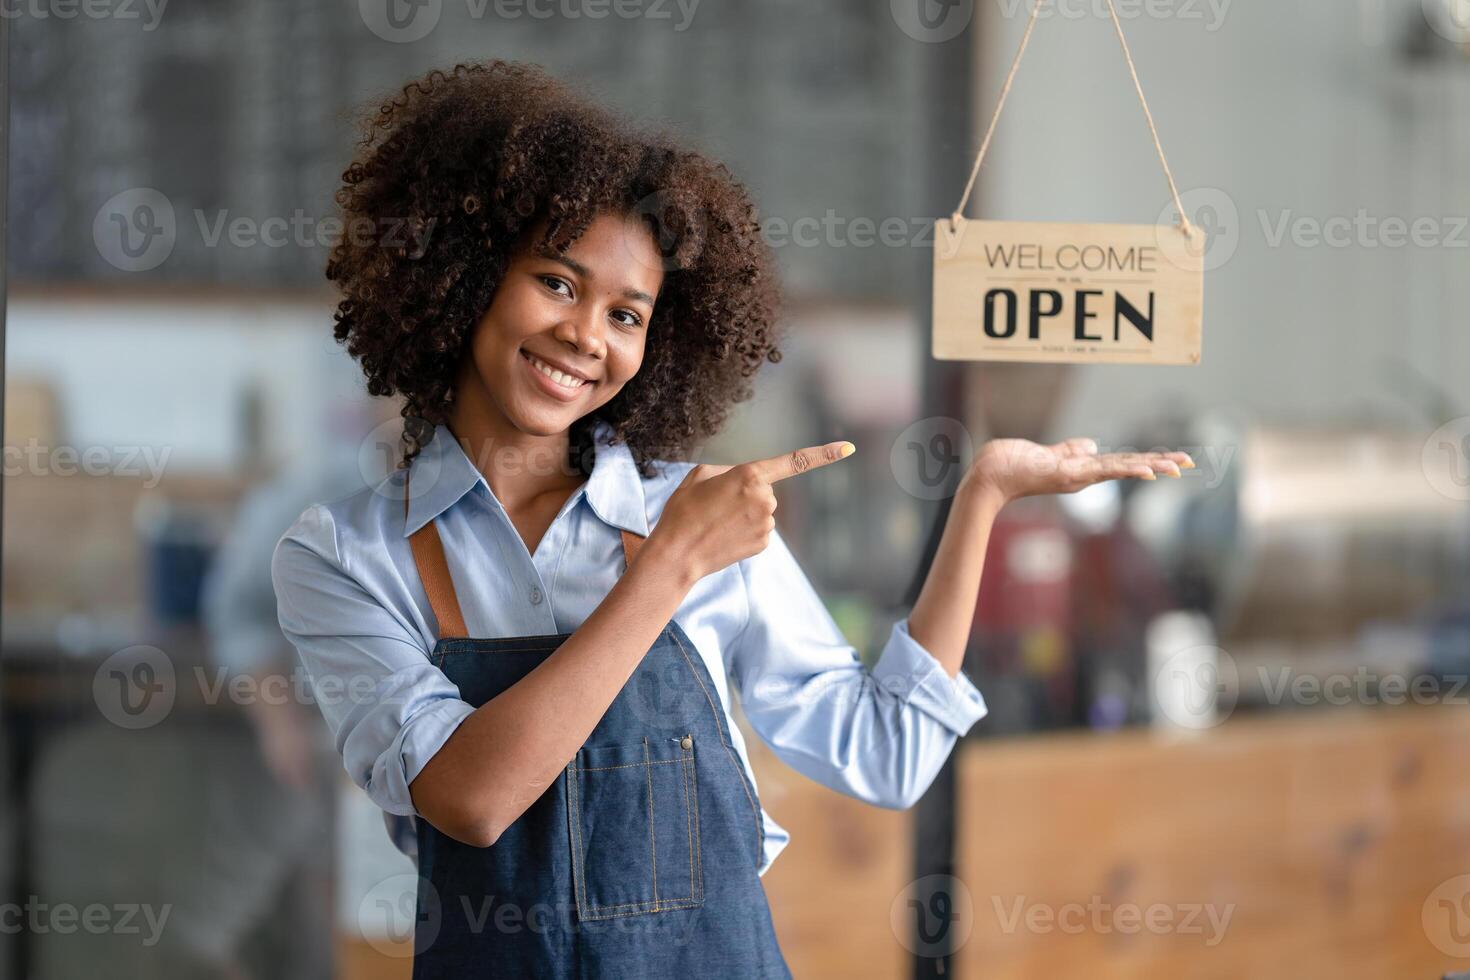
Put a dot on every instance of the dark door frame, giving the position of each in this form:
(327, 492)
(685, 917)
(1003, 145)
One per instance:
(949, 133)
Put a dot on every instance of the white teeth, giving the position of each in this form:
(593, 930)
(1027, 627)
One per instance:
(565, 380)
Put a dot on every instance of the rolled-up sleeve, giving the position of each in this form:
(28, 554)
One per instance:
(911, 672)
(881, 735)
(390, 710)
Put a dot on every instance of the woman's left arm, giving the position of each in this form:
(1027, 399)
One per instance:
(882, 735)
(1004, 470)
(878, 735)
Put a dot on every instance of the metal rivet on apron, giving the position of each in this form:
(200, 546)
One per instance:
(686, 742)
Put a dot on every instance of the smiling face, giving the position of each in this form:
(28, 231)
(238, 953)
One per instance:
(564, 334)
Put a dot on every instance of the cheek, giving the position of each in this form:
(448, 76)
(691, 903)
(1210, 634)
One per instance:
(629, 356)
(514, 314)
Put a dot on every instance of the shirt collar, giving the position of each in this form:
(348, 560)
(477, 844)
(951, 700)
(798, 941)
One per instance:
(442, 474)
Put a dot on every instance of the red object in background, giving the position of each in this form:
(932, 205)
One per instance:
(1119, 589)
(1023, 614)
(1053, 594)
(1060, 609)
(1039, 572)
(1028, 574)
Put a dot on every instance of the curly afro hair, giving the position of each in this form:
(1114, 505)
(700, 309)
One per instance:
(457, 170)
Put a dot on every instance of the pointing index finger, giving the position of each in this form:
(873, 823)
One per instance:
(790, 464)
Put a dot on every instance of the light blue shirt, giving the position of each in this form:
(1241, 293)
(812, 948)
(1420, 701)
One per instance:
(349, 598)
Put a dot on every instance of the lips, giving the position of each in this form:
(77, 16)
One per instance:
(567, 372)
(554, 383)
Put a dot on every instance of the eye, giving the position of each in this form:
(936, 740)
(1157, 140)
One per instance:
(552, 282)
(633, 320)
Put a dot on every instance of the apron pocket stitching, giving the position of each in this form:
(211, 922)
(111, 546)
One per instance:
(630, 765)
(684, 785)
(574, 817)
(669, 906)
(587, 905)
(696, 862)
(652, 823)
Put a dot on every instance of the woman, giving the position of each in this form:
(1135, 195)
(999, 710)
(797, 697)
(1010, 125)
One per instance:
(539, 617)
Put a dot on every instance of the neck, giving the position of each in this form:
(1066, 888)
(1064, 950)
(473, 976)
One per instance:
(519, 466)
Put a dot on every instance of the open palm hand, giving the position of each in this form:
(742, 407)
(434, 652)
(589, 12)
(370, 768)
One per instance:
(1014, 468)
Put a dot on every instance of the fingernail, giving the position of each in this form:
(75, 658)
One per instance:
(847, 450)
(1148, 476)
(1188, 464)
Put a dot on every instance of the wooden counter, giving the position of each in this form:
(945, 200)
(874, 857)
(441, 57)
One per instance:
(832, 887)
(1321, 835)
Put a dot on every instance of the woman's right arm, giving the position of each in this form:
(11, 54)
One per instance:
(406, 737)
(508, 751)
(505, 755)
(500, 757)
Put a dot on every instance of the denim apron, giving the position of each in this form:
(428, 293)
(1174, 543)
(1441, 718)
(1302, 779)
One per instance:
(638, 861)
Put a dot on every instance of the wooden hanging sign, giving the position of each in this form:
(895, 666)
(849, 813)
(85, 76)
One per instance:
(1049, 291)
(1057, 292)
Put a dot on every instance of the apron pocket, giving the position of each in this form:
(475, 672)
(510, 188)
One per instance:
(633, 819)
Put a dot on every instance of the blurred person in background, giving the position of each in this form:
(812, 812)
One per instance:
(277, 877)
(217, 816)
(240, 603)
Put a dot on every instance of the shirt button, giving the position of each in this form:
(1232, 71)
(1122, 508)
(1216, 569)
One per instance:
(535, 595)
(686, 742)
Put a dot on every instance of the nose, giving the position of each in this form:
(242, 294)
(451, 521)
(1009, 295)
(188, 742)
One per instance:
(584, 330)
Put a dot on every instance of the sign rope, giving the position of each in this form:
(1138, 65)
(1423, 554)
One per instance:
(958, 215)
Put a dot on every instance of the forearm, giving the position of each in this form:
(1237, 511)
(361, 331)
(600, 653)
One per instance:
(503, 756)
(941, 618)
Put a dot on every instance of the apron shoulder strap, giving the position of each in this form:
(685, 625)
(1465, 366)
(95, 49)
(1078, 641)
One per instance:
(631, 543)
(428, 556)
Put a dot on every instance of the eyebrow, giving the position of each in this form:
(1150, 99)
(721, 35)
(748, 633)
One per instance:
(586, 273)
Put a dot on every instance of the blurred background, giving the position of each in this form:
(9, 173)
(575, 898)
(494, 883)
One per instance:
(1227, 722)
